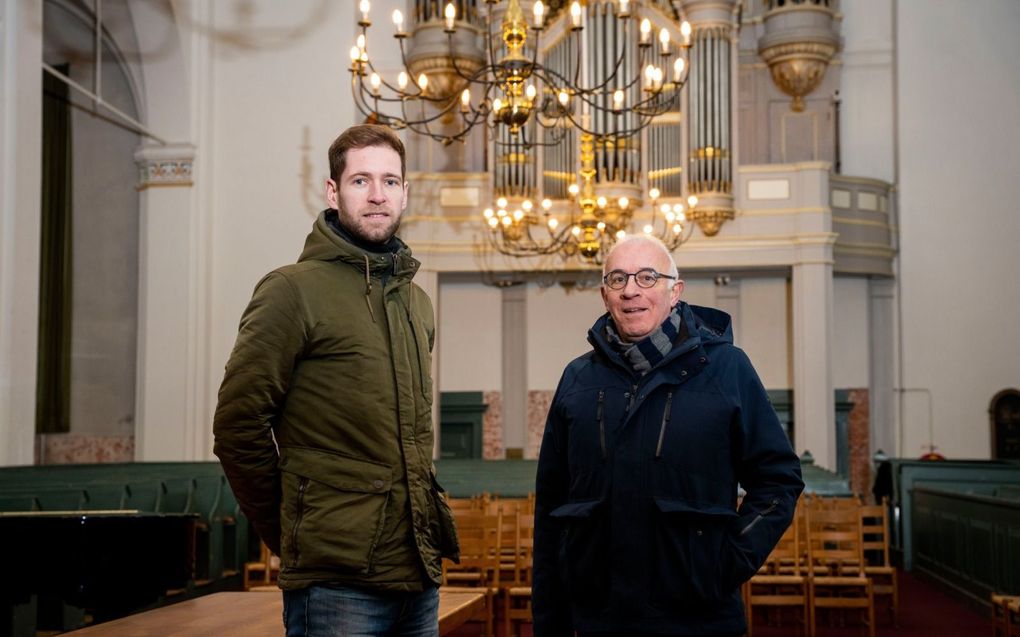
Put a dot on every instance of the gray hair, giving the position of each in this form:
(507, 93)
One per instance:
(646, 240)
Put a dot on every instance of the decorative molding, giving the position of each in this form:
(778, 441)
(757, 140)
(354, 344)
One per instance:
(872, 250)
(711, 220)
(771, 212)
(867, 201)
(792, 167)
(165, 166)
(841, 198)
(758, 189)
(465, 197)
(863, 222)
(84, 449)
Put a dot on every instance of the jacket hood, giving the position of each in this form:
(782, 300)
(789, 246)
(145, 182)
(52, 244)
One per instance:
(323, 244)
(710, 327)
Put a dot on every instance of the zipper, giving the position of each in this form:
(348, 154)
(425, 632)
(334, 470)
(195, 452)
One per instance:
(302, 487)
(772, 507)
(602, 422)
(632, 395)
(418, 345)
(665, 420)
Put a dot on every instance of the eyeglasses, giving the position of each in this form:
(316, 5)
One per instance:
(645, 278)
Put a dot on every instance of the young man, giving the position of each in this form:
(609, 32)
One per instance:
(324, 420)
(637, 530)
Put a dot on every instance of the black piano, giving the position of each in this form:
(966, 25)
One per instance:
(106, 563)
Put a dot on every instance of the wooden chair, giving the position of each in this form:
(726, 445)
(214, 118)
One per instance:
(262, 575)
(875, 546)
(1005, 615)
(829, 502)
(479, 567)
(782, 581)
(474, 504)
(517, 594)
(834, 544)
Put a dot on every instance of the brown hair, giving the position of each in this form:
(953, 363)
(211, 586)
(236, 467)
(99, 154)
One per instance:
(362, 136)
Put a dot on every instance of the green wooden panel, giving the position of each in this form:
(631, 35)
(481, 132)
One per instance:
(970, 542)
(461, 416)
(973, 475)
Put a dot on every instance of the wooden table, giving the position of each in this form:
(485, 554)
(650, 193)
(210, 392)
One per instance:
(248, 615)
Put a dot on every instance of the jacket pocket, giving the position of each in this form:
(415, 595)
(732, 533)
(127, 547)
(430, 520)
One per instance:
(334, 509)
(585, 550)
(449, 545)
(693, 555)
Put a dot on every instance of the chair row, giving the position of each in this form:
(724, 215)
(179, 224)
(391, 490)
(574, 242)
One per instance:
(835, 555)
(491, 504)
(1005, 615)
(496, 556)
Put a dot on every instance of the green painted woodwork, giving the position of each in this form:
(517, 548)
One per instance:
(970, 541)
(460, 432)
(907, 475)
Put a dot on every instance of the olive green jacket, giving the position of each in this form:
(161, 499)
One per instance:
(333, 360)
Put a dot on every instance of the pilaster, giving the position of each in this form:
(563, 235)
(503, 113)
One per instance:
(515, 367)
(165, 428)
(813, 401)
(882, 364)
(20, 202)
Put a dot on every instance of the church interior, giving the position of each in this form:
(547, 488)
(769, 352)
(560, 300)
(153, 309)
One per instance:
(817, 168)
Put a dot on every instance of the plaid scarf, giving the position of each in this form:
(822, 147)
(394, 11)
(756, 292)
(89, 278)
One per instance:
(645, 354)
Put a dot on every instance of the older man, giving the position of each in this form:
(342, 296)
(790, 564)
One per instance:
(648, 436)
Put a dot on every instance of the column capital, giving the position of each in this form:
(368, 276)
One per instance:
(163, 166)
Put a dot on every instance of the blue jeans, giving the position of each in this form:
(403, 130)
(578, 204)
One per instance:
(326, 611)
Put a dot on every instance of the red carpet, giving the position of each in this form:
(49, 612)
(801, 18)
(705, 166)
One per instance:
(925, 611)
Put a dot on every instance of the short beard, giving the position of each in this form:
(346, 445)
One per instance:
(352, 229)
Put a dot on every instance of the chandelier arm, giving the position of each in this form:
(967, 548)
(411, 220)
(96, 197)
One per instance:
(507, 247)
(476, 115)
(419, 96)
(416, 126)
(584, 96)
(424, 120)
(359, 100)
(577, 66)
(616, 69)
(673, 95)
(453, 60)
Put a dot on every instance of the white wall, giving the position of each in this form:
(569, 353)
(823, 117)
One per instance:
(558, 324)
(469, 337)
(697, 291)
(20, 177)
(866, 109)
(850, 342)
(959, 96)
(281, 95)
(765, 329)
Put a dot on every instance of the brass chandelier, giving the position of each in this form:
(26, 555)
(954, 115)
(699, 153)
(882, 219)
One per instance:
(591, 222)
(504, 85)
(580, 103)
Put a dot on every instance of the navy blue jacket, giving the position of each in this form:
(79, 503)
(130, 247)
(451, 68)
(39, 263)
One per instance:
(637, 528)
